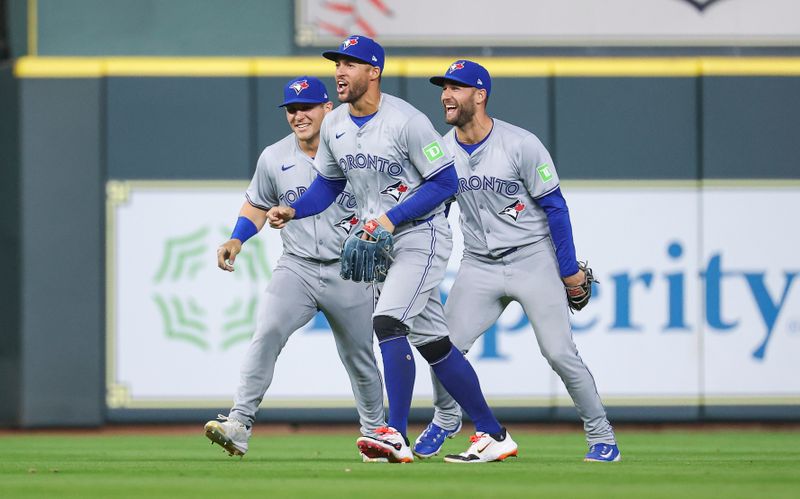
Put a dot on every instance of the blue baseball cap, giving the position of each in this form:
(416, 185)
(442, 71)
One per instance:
(360, 48)
(304, 90)
(466, 73)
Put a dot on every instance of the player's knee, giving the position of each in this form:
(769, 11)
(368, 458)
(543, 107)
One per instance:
(560, 362)
(388, 327)
(435, 351)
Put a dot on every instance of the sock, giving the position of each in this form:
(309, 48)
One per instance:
(399, 372)
(460, 380)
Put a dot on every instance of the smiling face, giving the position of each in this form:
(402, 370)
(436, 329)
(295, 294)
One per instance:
(352, 78)
(306, 119)
(460, 103)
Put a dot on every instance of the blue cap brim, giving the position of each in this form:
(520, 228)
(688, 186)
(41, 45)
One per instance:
(303, 101)
(334, 55)
(439, 81)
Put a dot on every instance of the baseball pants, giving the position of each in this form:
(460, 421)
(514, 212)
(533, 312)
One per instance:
(298, 289)
(483, 288)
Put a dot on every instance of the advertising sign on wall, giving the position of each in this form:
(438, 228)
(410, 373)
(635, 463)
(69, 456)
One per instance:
(698, 301)
(550, 22)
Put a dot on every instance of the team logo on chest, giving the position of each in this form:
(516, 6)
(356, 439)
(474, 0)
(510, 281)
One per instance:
(299, 86)
(347, 223)
(513, 210)
(396, 190)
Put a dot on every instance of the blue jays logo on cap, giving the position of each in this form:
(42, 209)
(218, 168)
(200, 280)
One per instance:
(304, 90)
(349, 42)
(456, 66)
(360, 48)
(299, 86)
(467, 73)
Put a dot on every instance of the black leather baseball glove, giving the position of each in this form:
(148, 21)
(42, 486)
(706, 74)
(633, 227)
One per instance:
(578, 296)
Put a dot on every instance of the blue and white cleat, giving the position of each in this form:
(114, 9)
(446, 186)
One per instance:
(603, 453)
(430, 441)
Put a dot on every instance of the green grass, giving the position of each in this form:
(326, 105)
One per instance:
(674, 464)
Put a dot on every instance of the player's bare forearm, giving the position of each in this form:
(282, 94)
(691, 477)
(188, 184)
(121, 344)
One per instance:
(256, 215)
(386, 223)
(226, 253)
(279, 216)
(575, 279)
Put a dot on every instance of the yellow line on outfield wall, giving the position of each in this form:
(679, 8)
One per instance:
(605, 66)
(732, 66)
(415, 67)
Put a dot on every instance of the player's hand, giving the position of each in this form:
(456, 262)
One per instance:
(576, 279)
(578, 287)
(384, 222)
(226, 254)
(279, 216)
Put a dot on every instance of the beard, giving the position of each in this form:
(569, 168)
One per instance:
(464, 114)
(355, 89)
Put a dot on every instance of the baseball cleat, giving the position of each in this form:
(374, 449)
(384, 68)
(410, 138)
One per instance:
(230, 434)
(367, 459)
(603, 453)
(389, 444)
(486, 447)
(430, 441)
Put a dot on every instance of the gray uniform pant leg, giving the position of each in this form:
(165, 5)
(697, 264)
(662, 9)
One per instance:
(348, 307)
(410, 293)
(286, 306)
(534, 281)
(475, 303)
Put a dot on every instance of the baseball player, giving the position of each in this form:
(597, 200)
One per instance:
(401, 174)
(517, 246)
(306, 278)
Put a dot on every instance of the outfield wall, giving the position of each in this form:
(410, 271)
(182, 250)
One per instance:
(674, 168)
(690, 310)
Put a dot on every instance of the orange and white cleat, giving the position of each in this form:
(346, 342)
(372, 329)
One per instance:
(486, 447)
(387, 443)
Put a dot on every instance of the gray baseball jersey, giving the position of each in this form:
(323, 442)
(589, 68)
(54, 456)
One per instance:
(305, 281)
(497, 186)
(283, 174)
(385, 161)
(509, 256)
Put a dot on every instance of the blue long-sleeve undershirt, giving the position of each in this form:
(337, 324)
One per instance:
(433, 192)
(555, 206)
(320, 194)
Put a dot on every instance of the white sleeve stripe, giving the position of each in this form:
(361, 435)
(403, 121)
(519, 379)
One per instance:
(434, 172)
(548, 192)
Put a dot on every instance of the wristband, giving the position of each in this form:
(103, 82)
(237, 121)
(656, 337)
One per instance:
(244, 230)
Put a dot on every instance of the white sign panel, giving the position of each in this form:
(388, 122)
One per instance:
(550, 22)
(684, 313)
(752, 274)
